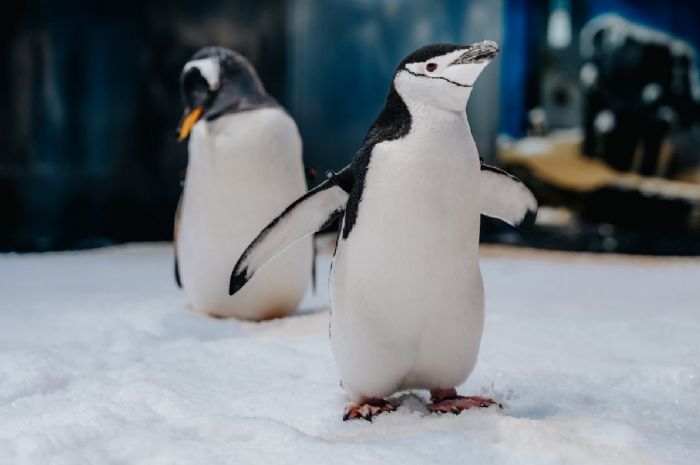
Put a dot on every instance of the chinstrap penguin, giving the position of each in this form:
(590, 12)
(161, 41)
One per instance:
(244, 166)
(407, 301)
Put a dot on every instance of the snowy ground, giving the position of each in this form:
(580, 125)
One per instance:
(598, 362)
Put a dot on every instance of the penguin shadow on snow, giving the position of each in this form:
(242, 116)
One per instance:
(535, 411)
(304, 322)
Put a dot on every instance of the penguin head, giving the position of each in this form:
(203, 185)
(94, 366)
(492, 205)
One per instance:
(216, 81)
(442, 75)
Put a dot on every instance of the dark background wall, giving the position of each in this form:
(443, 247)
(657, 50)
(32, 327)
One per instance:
(87, 148)
(91, 102)
(343, 54)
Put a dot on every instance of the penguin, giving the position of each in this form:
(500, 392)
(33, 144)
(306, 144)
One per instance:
(244, 166)
(407, 297)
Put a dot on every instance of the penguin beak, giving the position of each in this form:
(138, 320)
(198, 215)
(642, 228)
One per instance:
(188, 120)
(483, 52)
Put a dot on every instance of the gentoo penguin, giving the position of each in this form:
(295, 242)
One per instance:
(407, 299)
(244, 166)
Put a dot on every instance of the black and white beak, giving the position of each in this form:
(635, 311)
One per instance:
(480, 53)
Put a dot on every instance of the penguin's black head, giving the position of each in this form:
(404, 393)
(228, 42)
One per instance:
(216, 81)
(442, 75)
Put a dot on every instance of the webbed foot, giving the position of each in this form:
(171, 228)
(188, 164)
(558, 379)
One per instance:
(368, 409)
(447, 401)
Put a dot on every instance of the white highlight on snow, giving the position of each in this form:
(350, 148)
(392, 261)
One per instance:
(596, 359)
(209, 68)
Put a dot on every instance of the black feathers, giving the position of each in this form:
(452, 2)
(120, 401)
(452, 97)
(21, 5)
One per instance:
(241, 274)
(394, 122)
(345, 178)
(430, 51)
(529, 221)
(493, 169)
(240, 88)
(238, 280)
(177, 274)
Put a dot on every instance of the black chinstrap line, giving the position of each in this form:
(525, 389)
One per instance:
(438, 77)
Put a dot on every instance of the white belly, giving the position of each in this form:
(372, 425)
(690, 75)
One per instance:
(406, 288)
(243, 170)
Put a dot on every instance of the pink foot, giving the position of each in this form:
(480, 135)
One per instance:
(369, 409)
(447, 400)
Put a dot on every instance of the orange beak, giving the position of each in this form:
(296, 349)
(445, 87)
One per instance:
(188, 122)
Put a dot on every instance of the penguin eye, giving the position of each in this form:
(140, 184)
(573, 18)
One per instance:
(431, 67)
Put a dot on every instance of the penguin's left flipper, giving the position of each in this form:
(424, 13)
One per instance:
(308, 214)
(505, 197)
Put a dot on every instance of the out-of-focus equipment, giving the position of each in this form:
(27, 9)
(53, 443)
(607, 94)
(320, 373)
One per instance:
(642, 99)
(630, 178)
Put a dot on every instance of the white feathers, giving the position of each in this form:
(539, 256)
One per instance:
(464, 74)
(439, 82)
(406, 292)
(305, 216)
(243, 169)
(209, 68)
(504, 197)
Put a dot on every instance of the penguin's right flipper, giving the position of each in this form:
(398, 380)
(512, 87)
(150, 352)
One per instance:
(176, 227)
(308, 214)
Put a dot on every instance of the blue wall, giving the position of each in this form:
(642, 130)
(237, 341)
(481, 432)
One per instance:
(343, 55)
(523, 27)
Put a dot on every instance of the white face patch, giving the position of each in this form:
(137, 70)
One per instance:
(437, 82)
(209, 68)
(441, 67)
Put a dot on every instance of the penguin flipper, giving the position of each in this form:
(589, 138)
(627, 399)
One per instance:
(306, 215)
(176, 227)
(177, 274)
(505, 197)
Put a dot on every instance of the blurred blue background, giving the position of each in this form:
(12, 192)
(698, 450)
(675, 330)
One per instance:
(88, 154)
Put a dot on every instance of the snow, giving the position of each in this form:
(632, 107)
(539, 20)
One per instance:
(597, 361)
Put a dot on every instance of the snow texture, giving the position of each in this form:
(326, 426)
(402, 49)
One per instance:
(101, 363)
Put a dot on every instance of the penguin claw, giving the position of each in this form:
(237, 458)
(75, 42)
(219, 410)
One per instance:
(368, 410)
(457, 404)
